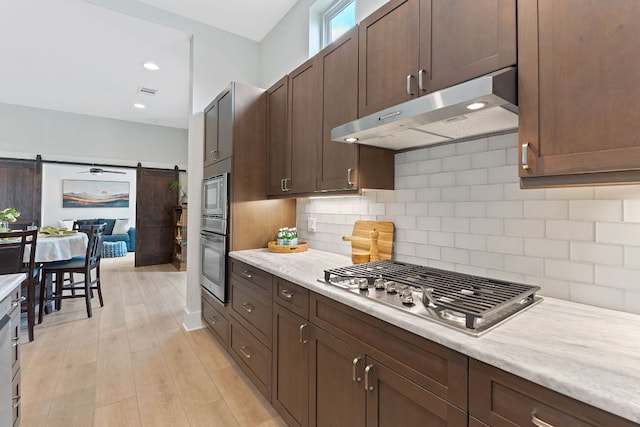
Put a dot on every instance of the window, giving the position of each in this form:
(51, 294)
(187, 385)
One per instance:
(338, 19)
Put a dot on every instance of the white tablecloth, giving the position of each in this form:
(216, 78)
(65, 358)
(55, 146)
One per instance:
(60, 247)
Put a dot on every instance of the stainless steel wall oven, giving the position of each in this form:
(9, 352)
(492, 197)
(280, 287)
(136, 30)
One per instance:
(213, 237)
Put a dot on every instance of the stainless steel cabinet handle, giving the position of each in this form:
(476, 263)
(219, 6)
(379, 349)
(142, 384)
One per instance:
(16, 302)
(282, 184)
(15, 341)
(421, 74)
(525, 156)
(356, 361)
(409, 85)
(287, 294)
(17, 401)
(214, 154)
(367, 381)
(303, 340)
(538, 422)
(244, 352)
(248, 307)
(285, 186)
(247, 274)
(349, 182)
(212, 320)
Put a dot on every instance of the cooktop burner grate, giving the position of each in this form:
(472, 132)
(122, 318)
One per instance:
(471, 297)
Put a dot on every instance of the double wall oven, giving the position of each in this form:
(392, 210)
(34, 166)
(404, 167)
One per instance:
(213, 237)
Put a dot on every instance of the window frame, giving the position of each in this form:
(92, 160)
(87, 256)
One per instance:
(333, 11)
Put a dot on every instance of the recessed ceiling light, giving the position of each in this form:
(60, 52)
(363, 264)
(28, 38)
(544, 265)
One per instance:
(351, 139)
(476, 105)
(150, 66)
(140, 106)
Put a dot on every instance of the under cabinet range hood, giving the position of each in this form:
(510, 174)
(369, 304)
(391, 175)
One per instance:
(483, 106)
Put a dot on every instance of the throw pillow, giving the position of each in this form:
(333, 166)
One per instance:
(121, 226)
(66, 223)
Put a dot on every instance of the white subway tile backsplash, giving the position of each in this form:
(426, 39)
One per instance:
(457, 163)
(460, 207)
(546, 248)
(632, 211)
(546, 209)
(596, 210)
(511, 209)
(597, 253)
(568, 270)
(489, 159)
(570, 230)
(505, 245)
(620, 234)
(524, 227)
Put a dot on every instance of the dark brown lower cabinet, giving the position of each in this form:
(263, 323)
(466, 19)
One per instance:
(252, 357)
(290, 389)
(217, 322)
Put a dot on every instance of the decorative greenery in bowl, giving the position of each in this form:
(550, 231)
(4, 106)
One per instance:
(6, 216)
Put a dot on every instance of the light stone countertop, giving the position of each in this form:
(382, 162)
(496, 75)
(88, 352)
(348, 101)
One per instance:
(8, 283)
(591, 354)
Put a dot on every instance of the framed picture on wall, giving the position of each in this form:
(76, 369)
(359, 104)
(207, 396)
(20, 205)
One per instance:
(95, 194)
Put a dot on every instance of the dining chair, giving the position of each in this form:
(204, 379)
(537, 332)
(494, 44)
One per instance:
(88, 266)
(13, 247)
(83, 225)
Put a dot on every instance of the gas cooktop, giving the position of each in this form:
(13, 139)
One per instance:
(471, 304)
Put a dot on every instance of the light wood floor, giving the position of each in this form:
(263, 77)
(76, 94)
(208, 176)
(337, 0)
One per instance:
(132, 363)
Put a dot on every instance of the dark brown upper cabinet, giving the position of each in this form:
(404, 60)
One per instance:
(579, 109)
(409, 48)
(218, 134)
(346, 167)
(278, 142)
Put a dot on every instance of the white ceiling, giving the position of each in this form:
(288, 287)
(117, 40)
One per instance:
(83, 57)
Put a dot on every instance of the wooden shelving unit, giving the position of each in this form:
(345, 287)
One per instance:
(179, 259)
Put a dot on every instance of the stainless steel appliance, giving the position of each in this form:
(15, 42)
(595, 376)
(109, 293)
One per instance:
(466, 303)
(213, 237)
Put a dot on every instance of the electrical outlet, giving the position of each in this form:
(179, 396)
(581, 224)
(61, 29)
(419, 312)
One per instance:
(311, 224)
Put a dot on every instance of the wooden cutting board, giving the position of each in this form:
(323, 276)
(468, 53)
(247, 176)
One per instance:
(370, 241)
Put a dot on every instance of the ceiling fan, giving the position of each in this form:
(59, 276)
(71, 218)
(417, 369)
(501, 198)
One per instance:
(100, 171)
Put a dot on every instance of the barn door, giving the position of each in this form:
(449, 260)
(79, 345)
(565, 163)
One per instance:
(154, 215)
(21, 189)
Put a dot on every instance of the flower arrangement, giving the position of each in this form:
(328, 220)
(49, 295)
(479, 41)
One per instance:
(6, 216)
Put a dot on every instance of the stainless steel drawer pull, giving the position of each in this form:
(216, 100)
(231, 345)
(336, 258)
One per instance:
(302, 338)
(525, 156)
(247, 274)
(409, 85)
(538, 422)
(287, 293)
(367, 380)
(421, 74)
(248, 307)
(17, 401)
(212, 320)
(349, 182)
(16, 302)
(244, 352)
(15, 341)
(356, 362)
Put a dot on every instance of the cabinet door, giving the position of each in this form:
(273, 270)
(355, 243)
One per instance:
(336, 398)
(290, 394)
(388, 56)
(225, 126)
(304, 126)
(337, 161)
(579, 110)
(464, 39)
(278, 142)
(210, 133)
(393, 400)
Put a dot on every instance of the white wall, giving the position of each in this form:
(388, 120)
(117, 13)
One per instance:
(460, 207)
(52, 210)
(56, 135)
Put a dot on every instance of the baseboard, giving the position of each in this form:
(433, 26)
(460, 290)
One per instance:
(192, 320)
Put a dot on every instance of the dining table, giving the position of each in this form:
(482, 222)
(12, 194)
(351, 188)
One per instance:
(60, 247)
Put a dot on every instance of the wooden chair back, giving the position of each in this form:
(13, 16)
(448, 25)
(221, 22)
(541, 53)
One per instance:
(94, 247)
(13, 246)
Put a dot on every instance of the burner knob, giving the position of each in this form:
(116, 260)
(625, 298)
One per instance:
(406, 296)
(363, 284)
(391, 287)
(379, 283)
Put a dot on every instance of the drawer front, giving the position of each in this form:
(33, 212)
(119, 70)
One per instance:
(291, 296)
(434, 367)
(16, 399)
(218, 324)
(15, 341)
(499, 398)
(252, 357)
(253, 310)
(251, 274)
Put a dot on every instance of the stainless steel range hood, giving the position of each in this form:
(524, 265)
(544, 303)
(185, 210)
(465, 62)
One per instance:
(442, 116)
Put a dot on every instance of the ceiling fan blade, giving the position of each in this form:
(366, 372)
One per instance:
(107, 171)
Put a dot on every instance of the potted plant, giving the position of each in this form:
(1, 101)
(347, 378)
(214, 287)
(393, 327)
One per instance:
(175, 185)
(6, 216)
